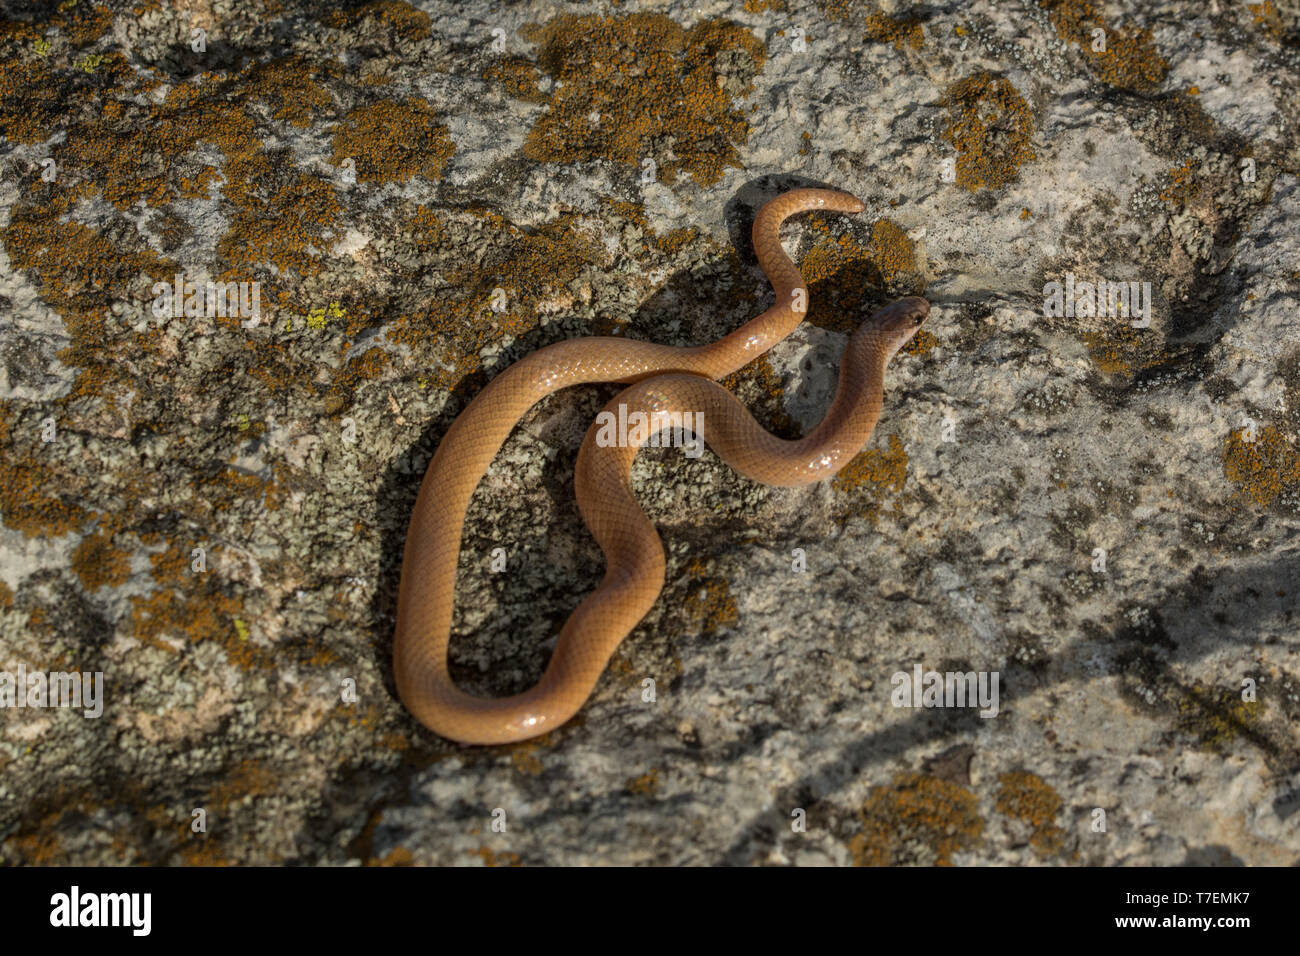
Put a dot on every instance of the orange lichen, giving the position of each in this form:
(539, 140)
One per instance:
(1028, 798)
(192, 607)
(1129, 61)
(281, 227)
(230, 488)
(172, 566)
(525, 755)
(536, 272)
(39, 74)
(30, 102)
(708, 599)
(402, 19)
(921, 343)
(40, 845)
(645, 785)
(883, 28)
(843, 274)
(891, 250)
(1182, 185)
(1265, 467)
(226, 842)
(129, 152)
(20, 31)
(634, 212)
(518, 77)
(1120, 349)
(83, 23)
(760, 380)
(640, 88)
(391, 141)
(77, 268)
(203, 851)
(491, 858)
(991, 127)
(251, 777)
(34, 500)
(841, 9)
(99, 563)
(397, 856)
(288, 86)
(916, 809)
(6, 596)
(1267, 18)
(872, 475)
(364, 367)
(165, 613)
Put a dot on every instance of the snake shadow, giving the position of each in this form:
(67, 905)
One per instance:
(529, 609)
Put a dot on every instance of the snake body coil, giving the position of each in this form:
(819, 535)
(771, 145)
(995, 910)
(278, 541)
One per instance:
(667, 379)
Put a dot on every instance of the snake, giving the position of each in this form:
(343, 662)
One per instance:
(662, 379)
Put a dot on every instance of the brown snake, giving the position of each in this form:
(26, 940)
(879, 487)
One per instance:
(668, 379)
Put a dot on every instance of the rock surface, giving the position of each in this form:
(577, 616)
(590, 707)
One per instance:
(1102, 510)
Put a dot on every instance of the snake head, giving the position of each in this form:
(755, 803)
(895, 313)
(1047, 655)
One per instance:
(899, 320)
